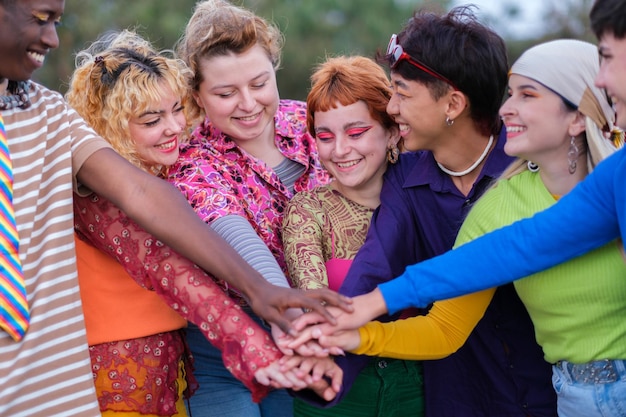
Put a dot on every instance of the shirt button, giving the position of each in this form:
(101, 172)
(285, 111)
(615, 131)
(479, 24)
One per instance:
(382, 364)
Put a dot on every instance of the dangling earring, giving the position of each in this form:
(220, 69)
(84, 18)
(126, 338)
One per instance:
(393, 153)
(572, 155)
(533, 167)
(449, 121)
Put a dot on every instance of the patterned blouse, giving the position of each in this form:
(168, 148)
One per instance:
(319, 225)
(219, 178)
(184, 287)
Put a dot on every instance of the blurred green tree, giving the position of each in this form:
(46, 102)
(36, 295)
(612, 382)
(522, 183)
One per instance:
(312, 29)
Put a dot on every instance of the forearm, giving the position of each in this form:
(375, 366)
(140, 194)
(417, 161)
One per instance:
(240, 235)
(182, 285)
(568, 229)
(436, 335)
(162, 211)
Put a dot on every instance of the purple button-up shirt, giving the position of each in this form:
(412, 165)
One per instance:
(500, 371)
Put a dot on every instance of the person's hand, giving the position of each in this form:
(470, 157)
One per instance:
(270, 302)
(316, 372)
(310, 348)
(333, 340)
(273, 376)
(366, 308)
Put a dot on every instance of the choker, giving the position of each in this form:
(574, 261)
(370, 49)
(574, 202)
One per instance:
(474, 165)
(18, 96)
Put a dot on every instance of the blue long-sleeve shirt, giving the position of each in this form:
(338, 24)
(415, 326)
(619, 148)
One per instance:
(500, 370)
(589, 216)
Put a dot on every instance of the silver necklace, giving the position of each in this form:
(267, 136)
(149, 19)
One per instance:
(474, 165)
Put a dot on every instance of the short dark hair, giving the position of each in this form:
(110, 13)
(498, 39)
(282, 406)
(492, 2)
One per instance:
(464, 51)
(608, 16)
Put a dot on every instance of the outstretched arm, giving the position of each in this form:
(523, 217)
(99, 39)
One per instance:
(160, 209)
(245, 346)
(584, 219)
(436, 335)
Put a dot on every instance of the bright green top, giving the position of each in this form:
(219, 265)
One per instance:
(579, 307)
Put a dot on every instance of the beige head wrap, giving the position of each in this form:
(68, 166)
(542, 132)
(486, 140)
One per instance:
(568, 67)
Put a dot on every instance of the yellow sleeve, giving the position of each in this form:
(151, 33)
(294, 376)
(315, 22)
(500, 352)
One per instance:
(436, 335)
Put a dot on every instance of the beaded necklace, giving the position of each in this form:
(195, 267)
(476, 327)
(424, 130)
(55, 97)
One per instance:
(18, 96)
(474, 165)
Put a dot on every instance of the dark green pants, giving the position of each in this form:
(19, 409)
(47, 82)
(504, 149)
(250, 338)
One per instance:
(384, 388)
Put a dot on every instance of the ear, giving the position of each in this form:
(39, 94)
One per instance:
(197, 99)
(577, 125)
(456, 104)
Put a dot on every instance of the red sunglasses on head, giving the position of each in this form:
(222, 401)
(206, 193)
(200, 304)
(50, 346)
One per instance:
(397, 54)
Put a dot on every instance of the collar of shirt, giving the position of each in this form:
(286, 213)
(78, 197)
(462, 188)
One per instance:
(291, 135)
(426, 172)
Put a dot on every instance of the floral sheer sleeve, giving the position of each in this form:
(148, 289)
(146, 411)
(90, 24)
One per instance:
(186, 288)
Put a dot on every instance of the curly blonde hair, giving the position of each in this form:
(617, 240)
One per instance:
(119, 77)
(219, 28)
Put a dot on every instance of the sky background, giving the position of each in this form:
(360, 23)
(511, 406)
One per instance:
(529, 23)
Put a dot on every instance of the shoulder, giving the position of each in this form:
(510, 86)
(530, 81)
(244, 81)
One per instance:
(406, 162)
(311, 198)
(287, 106)
(291, 118)
(508, 200)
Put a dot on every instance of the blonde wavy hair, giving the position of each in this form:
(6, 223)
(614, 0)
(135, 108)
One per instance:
(219, 28)
(119, 77)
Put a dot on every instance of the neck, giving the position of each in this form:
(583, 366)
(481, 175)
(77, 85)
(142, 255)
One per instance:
(558, 180)
(14, 94)
(263, 148)
(472, 167)
(368, 196)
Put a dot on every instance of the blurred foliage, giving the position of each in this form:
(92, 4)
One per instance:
(560, 19)
(312, 29)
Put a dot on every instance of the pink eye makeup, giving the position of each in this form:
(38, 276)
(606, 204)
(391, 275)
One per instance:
(325, 136)
(358, 131)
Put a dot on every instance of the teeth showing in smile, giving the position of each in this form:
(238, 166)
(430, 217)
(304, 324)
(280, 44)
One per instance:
(348, 164)
(248, 118)
(37, 57)
(403, 127)
(166, 146)
(514, 129)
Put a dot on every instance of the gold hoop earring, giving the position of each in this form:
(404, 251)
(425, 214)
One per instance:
(393, 153)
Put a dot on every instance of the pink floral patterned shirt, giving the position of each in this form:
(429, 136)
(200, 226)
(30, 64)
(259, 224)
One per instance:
(219, 178)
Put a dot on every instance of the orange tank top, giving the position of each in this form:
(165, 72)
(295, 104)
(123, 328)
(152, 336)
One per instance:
(115, 306)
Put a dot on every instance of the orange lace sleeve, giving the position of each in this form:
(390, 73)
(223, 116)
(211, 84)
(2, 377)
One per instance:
(245, 346)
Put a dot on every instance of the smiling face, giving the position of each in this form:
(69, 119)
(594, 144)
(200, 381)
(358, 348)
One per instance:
(612, 74)
(537, 122)
(420, 116)
(239, 94)
(27, 34)
(156, 131)
(352, 145)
